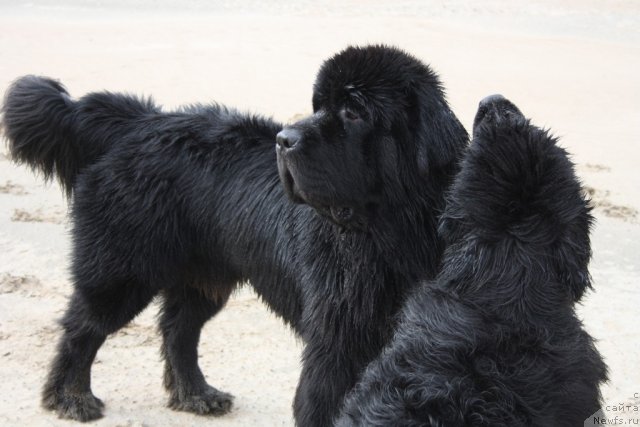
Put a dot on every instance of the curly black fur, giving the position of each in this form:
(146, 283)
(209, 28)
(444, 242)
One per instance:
(188, 204)
(494, 341)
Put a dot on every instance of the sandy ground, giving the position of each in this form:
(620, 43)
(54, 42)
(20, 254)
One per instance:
(570, 65)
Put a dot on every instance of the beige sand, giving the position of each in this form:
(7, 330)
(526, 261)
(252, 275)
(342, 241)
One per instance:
(570, 65)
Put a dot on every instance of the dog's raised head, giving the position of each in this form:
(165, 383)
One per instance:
(517, 205)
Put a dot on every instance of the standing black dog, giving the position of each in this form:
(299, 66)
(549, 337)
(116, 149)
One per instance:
(495, 340)
(189, 204)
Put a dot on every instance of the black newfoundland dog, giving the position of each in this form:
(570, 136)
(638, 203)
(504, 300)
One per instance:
(187, 205)
(494, 341)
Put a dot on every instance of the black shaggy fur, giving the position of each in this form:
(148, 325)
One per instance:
(188, 204)
(494, 341)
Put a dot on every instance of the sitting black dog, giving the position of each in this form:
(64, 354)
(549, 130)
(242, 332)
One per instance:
(494, 341)
(186, 205)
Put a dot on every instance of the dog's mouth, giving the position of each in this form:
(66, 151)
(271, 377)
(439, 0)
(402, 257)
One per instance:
(339, 213)
(289, 185)
(347, 218)
(342, 214)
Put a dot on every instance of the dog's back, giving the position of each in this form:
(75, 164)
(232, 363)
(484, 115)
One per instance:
(495, 340)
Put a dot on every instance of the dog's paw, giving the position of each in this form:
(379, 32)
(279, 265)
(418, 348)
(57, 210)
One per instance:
(209, 402)
(76, 406)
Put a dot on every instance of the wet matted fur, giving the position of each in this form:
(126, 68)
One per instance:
(186, 205)
(494, 341)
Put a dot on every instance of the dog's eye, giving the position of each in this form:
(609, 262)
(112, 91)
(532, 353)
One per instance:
(349, 115)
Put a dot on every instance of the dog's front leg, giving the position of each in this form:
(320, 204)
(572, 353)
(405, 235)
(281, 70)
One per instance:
(327, 375)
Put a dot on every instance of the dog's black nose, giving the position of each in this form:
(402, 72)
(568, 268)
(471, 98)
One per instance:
(491, 100)
(288, 137)
(498, 106)
(495, 109)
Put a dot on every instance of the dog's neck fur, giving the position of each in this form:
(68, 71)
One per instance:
(506, 282)
(417, 216)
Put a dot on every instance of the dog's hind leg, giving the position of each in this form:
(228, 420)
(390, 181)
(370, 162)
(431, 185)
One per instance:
(92, 314)
(185, 310)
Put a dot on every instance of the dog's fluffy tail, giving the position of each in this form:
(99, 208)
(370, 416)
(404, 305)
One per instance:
(38, 121)
(58, 136)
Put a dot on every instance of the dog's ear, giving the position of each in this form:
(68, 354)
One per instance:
(572, 253)
(440, 137)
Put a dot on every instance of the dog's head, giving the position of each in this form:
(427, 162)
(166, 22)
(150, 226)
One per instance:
(517, 196)
(381, 129)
